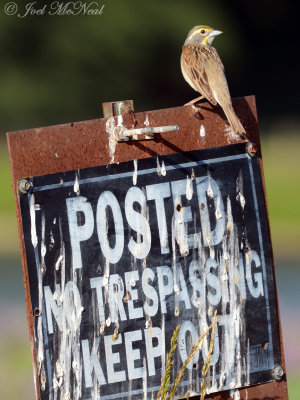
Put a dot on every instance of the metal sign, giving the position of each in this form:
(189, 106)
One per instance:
(119, 255)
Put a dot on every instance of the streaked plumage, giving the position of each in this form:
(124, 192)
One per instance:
(202, 68)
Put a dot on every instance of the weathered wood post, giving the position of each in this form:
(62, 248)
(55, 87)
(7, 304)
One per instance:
(132, 224)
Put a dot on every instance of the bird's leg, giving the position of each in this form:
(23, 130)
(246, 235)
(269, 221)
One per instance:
(192, 102)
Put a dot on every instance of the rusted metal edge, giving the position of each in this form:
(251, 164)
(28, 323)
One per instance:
(86, 144)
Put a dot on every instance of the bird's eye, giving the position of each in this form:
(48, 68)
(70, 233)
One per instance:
(203, 31)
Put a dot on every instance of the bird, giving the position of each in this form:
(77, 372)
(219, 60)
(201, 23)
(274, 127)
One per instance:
(203, 70)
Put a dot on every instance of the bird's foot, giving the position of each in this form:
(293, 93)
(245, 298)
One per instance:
(196, 112)
(192, 102)
(243, 136)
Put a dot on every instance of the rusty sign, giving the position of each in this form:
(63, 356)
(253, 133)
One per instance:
(80, 145)
(119, 255)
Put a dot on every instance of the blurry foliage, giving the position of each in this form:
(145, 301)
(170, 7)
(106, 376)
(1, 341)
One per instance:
(59, 69)
(56, 69)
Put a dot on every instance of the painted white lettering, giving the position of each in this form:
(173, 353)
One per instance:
(159, 192)
(213, 281)
(185, 347)
(197, 284)
(76, 206)
(96, 283)
(53, 306)
(165, 289)
(216, 347)
(154, 351)
(108, 199)
(182, 295)
(150, 293)
(256, 289)
(239, 277)
(134, 312)
(116, 294)
(91, 362)
(112, 359)
(138, 222)
(182, 215)
(208, 186)
(72, 305)
(133, 355)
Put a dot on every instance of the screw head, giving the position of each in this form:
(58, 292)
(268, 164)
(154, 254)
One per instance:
(251, 149)
(24, 185)
(277, 372)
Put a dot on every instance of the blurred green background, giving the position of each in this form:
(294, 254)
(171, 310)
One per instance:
(56, 69)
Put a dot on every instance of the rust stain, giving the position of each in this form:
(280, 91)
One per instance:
(85, 144)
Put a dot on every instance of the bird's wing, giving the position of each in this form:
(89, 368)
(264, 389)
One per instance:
(193, 59)
(216, 56)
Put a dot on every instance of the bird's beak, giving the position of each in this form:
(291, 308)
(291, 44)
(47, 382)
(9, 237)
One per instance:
(214, 33)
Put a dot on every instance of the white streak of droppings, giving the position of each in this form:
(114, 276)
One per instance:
(145, 378)
(210, 192)
(176, 288)
(235, 394)
(112, 139)
(239, 190)
(132, 283)
(163, 169)
(58, 262)
(120, 121)
(163, 352)
(242, 200)
(229, 132)
(135, 172)
(146, 122)
(158, 168)
(211, 252)
(76, 186)
(189, 188)
(34, 239)
(218, 211)
(202, 131)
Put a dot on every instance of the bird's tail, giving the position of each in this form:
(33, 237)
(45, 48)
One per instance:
(233, 120)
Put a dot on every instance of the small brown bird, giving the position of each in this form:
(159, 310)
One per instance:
(202, 68)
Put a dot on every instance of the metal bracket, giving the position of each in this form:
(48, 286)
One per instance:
(123, 134)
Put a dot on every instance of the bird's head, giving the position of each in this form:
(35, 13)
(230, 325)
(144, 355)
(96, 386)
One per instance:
(202, 34)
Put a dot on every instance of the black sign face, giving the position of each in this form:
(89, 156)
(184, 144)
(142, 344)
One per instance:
(119, 255)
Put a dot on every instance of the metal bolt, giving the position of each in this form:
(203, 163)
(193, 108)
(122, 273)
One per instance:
(277, 372)
(24, 185)
(114, 108)
(37, 312)
(251, 149)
